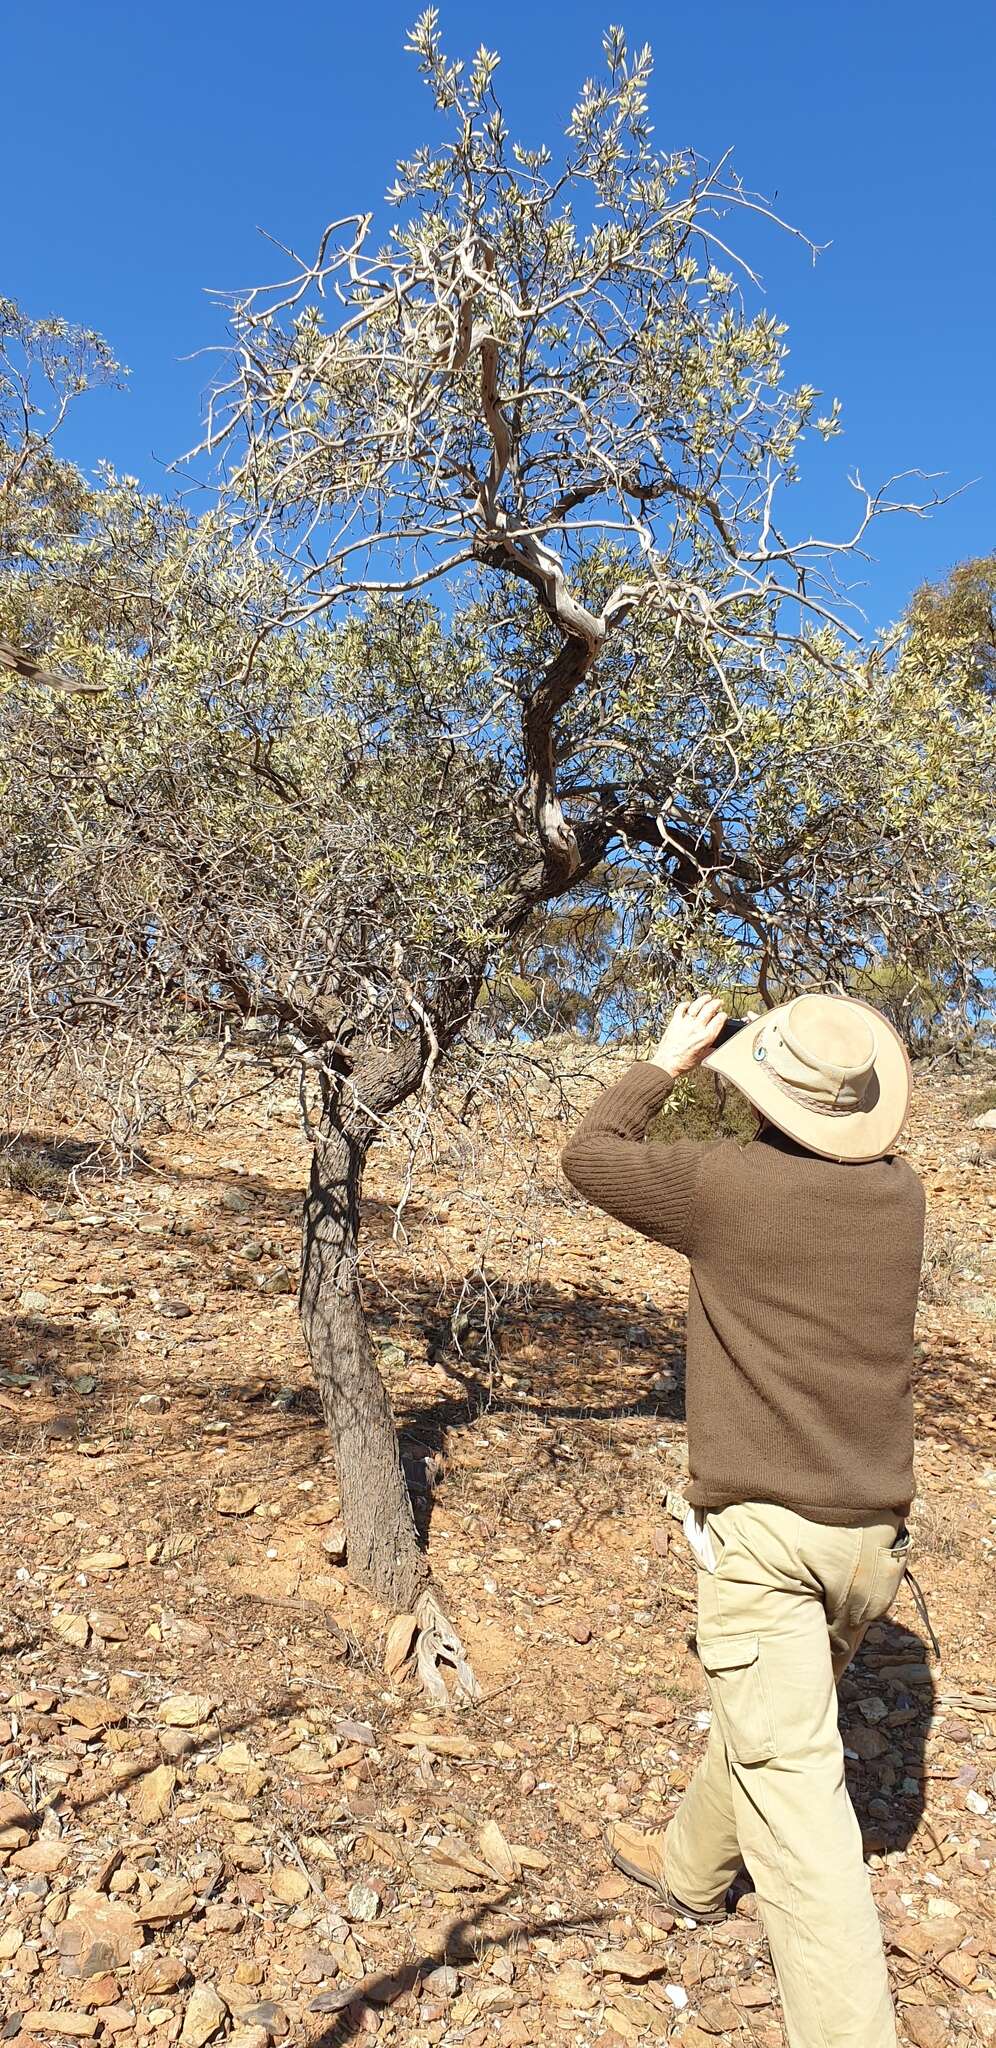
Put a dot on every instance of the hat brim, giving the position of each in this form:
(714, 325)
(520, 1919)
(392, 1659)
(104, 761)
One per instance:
(853, 1135)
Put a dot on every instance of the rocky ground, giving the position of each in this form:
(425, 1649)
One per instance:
(226, 1814)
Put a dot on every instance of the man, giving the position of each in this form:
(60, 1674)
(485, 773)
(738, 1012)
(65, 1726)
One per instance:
(805, 1249)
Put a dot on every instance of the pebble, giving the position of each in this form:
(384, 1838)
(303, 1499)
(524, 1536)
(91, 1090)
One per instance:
(362, 1902)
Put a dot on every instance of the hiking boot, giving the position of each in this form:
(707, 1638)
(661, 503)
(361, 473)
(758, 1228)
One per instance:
(641, 1857)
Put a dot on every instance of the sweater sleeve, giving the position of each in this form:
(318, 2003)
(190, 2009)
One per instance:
(649, 1187)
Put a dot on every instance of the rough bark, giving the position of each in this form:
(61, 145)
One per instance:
(383, 1549)
(383, 1546)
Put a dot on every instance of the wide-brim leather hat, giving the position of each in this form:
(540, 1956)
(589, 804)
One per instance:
(829, 1071)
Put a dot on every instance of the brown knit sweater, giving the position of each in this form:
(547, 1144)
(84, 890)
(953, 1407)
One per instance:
(802, 1294)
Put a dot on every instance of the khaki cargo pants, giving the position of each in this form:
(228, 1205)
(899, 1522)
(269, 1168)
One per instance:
(779, 1620)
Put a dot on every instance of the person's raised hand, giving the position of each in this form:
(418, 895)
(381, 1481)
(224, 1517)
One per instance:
(693, 1030)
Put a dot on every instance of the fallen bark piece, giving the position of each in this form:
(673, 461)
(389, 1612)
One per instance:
(399, 1643)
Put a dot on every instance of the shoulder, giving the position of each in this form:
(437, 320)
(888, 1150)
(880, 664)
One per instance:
(907, 1178)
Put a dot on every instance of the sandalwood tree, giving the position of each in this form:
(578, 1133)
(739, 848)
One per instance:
(493, 662)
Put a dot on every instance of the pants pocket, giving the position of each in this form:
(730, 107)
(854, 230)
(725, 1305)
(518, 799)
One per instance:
(875, 1590)
(739, 1696)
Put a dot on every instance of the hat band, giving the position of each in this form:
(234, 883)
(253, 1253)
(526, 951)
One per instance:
(807, 1100)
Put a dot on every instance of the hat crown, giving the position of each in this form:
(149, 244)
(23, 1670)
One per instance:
(830, 1034)
(821, 1050)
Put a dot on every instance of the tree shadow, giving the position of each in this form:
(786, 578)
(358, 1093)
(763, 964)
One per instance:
(399, 1986)
(946, 1393)
(225, 1723)
(571, 1375)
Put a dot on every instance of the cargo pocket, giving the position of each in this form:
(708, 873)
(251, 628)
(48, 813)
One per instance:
(737, 1687)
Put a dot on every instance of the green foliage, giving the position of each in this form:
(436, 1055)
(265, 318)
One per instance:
(953, 624)
(701, 1106)
(483, 689)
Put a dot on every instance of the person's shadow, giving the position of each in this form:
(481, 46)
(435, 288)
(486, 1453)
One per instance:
(886, 1707)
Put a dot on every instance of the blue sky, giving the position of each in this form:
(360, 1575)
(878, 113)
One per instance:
(146, 148)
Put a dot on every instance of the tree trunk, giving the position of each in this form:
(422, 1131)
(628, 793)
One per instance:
(382, 1545)
(382, 1541)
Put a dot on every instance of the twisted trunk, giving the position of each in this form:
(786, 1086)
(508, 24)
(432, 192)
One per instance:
(382, 1542)
(383, 1546)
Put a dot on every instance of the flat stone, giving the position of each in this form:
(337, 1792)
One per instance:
(906, 1674)
(99, 1987)
(172, 1901)
(41, 1857)
(116, 2019)
(266, 2015)
(79, 2026)
(101, 1932)
(162, 1973)
(205, 2015)
(97, 1960)
(867, 1743)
